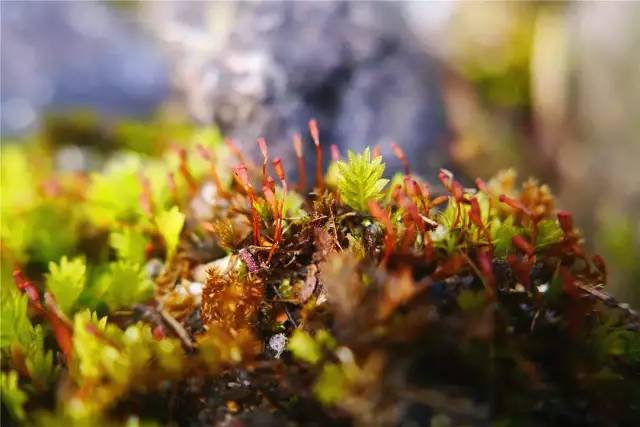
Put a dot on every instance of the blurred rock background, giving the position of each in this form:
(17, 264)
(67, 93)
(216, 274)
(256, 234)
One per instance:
(263, 69)
(552, 90)
(60, 56)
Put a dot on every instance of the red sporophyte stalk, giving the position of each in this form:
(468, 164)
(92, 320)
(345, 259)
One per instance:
(566, 222)
(410, 186)
(273, 203)
(383, 216)
(315, 136)
(413, 190)
(411, 220)
(279, 169)
(484, 261)
(399, 153)
(207, 155)
(375, 151)
(297, 146)
(515, 204)
(451, 185)
(407, 204)
(457, 191)
(262, 143)
(570, 241)
(445, 178)
(240, 173)
(268, 190)
(521, 207)
(521, 268)
(335, 152)
(62, 330)
(482, 186)
(270, 197)
(183, 167)
(28, 288)
(522, 244)
(438, 201)
(475, 215)
(277, 166)
(236, 152)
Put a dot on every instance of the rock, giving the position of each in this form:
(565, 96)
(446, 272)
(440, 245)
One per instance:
(352, 65)
(200, 272)
(60, 55)
(277, 345)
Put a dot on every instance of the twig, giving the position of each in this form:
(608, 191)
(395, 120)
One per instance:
(178, 329)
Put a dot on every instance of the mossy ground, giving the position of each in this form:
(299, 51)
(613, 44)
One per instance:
(170, 288)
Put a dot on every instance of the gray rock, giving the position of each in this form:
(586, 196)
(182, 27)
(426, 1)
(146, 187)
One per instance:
(61, 55)
(352, 65)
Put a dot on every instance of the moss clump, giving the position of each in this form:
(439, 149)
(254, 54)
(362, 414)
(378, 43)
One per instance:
(161, 290)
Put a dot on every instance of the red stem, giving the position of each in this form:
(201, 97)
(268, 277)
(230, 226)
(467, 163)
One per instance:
(315, 136)
(208, 156)
(297, 146)
(242, 177)
(399, 153)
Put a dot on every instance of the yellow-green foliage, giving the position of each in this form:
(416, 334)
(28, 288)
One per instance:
(386, 283)
(129, 245)
(310, 348)
(330, 386)
(110, 362)
(170, 223)
(66, 281)
(15, 322)
(33, 227)
(12, 397)
(20, 338)
(124, 285)
(549, 232)
(114, 194)
(360, 180)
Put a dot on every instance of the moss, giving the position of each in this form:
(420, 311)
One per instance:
(151, 289)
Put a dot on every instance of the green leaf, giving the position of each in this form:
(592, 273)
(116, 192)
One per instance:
(17, 330)
(116, 361)
(170, 223)
(12, 397)
(304, 347)
(502, 233)
(129, 245)
(549, 232)
(125, 285)
(330, 385)
(360, 180)
(14, 322)
(66, 281)
(114, 196)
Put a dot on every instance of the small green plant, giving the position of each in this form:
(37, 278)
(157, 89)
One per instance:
(170, 223)
(360, 180)
(12, 396)
(66, 281)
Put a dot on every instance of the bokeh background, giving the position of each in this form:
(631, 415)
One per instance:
(549, 89)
